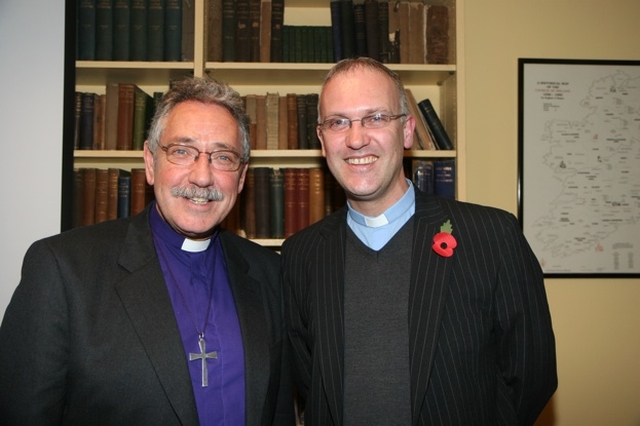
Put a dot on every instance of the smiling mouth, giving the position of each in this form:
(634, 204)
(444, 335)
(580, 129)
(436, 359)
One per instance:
(199, 200)
(362, 160)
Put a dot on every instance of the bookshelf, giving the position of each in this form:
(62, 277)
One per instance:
(443, 84)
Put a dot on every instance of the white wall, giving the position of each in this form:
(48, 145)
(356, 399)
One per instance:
(31, 95)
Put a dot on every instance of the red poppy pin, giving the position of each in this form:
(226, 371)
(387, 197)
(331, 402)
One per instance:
(443, 241)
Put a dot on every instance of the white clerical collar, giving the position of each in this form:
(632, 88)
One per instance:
(195, 246)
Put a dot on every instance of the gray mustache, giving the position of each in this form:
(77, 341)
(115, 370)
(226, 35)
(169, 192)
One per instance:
(211, 194)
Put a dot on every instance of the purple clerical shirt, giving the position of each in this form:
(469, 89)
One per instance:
(202, 300)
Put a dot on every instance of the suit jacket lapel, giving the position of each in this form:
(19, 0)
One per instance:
(146, 302)
(427, 293)
(253, 326)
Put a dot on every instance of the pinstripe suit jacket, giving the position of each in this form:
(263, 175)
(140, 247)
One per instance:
(481, 346)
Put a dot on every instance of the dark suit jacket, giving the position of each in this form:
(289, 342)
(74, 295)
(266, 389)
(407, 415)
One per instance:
(90, 336)
(481, 345)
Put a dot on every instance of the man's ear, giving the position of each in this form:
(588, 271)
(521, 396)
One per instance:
(148, 163)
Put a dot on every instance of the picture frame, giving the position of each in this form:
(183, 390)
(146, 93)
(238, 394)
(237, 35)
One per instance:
(579, 165)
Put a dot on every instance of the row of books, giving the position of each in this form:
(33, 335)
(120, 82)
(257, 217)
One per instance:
(135, 30)
(275, 203)
(406, 32)
(106, 194)
(434, 177)
(244, 30)
(120, 119)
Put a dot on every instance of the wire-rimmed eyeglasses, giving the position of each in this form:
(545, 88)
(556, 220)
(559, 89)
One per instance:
(373, 121)
(185, 155)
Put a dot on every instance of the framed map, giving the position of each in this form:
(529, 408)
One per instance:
(579, 165)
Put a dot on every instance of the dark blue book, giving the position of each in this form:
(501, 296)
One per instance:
(422, 175)
(444, 178)
(124, 193)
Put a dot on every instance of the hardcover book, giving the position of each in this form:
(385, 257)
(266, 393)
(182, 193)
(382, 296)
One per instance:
(439, 133)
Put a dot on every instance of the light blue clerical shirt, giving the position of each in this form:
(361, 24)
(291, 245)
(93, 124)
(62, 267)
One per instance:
(375, 232)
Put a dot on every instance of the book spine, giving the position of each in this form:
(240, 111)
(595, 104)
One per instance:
(229, 25)
(440, 136)
(437, 34)
(155, 30)
(290, 208)
(265, 31)
(173, 31)
(302, 199)
(254, 30)
(316, 194)
(104, 30)
(138, 40)
(276, 194)
(422, 175)
(372, 29)
(243, 31)
(303, 133)
(359, 30)
(336, 29)
(142, 102)
(126, 95)
(121, 30)
(124, 193)
(262, 202)
(98, 122)
(283, 123)
(272, 109)
(138, 191)
(86, 49)
(187, 37)
(112, 193)
(312, 120)
(277, 21)
(213, 13)
(102, 184)
(88, 196)
(261, 121)
(249, 204)
(292, 121)
(444, 178)
(348, 33)
(86, 120)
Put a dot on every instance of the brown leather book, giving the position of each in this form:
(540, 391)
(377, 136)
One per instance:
(417, 34)
(88, 196)
(438, 34)
(111, 116)
(112, 193)
(292, 121)
(290, 208)
(126, 95)
(265, 31)
(98, 121)
(261, 122)
(138, 191)
(421, 136)
(403, 24)
(283, 123)
(273, 127)
(102, 185)
(316, 194)
(213, 38)
(302, 198)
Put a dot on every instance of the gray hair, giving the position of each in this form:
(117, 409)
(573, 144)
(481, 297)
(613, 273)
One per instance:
(206, 91)
(346, 65)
